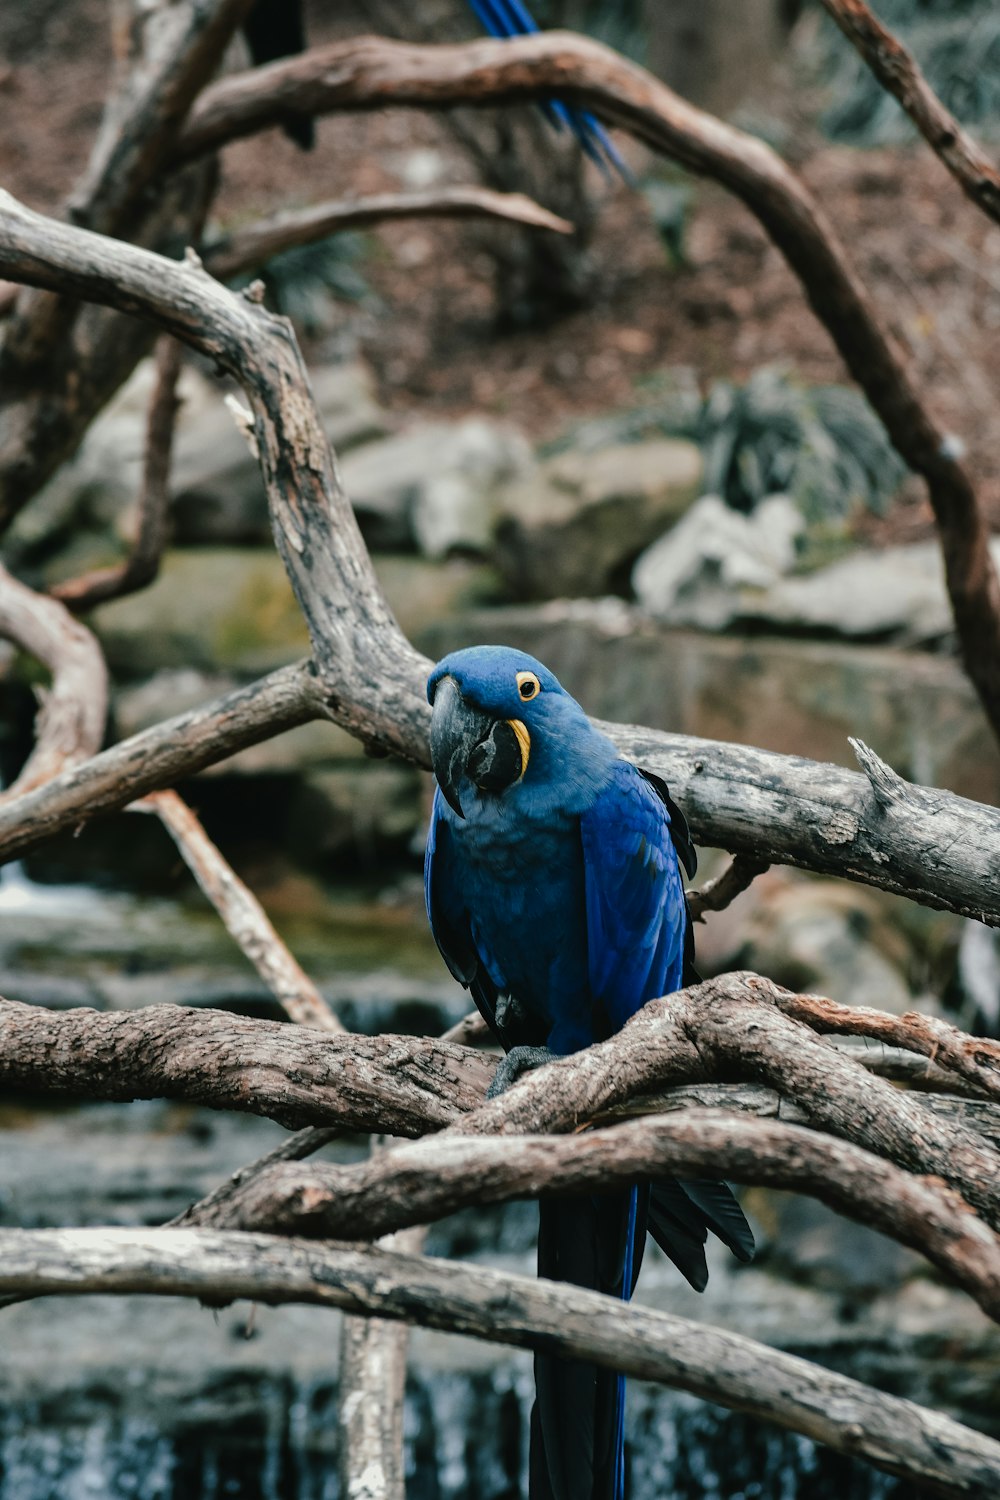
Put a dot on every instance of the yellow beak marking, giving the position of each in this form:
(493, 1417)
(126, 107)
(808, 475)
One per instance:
(524, 741)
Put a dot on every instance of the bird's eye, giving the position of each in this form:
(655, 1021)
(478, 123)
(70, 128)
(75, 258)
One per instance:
(528, 686)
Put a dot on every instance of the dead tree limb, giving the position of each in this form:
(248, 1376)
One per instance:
(715, 895)
(731, 1028)
(899, 73)
(424, 1180)
(905, 1439)
(246, 249)
(242, 914)
(370, 73)
(143, 562)
(69, 725)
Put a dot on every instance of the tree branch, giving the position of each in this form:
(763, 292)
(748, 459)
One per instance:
(424, 1180)
(898, 72)
(242, 914)
(69, 725)
(731, 1028)
(899, 1436)
(246, 249)
(717, 894)
(143, 562)
(371, 73)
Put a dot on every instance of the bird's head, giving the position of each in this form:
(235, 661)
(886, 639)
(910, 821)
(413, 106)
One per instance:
(499, 716)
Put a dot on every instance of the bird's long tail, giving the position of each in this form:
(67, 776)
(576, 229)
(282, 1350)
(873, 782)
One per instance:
(578, 1420)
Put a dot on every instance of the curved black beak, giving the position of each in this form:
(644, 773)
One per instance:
(467, 743)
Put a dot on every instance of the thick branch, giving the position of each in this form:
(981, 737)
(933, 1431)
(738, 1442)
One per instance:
(897, 71)
(293, 1074)
(427, 1179)
(370, 73)
(729, 1028)
(69, 725)
(143, 562)
(906, 1439)
(246, 249)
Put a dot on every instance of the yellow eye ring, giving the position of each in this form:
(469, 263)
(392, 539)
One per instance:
(528, 686)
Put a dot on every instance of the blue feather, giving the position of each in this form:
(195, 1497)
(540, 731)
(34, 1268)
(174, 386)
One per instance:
(508, 18)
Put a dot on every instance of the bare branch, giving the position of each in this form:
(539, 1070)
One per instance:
(897, 71)
(729, 1028)
(143, 562)
(918, 1444)
(717, 894)
(369, 73)
(246, 249)
(242, 914)
(974, 1060)
(293, 1074)
(160, 756)
(69, 726)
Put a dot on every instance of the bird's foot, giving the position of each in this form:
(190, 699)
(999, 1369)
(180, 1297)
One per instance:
(510, 1068)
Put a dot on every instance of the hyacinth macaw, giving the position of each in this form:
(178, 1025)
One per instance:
(554, 893)
(275, 28)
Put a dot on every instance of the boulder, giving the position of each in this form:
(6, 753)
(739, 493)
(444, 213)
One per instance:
(214, 609)
(434, 484)
(577, 525)
(217, 492)
(697, 573)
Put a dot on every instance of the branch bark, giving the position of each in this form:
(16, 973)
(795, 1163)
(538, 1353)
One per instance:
(143, 562)
(425, 1180)
(732, 1028)
(370, 73)
(898, 72)
(905, 1439)
(69, 725)
(246, 249)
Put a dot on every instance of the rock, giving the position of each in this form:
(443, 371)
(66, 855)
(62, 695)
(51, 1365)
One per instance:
(434, 483)
(228, 610)
(216, 487)
(576, 527)
(696, 572)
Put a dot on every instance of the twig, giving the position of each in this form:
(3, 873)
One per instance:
(906, 1439)
(69, 725)
(143, 562)
(246, 249)
(242, 914)
(369, 72)
(897, 71)
(717, 894)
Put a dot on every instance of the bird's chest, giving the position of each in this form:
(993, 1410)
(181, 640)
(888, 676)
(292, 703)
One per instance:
(524, 891)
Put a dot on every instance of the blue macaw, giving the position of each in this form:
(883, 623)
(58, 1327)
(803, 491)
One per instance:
(554, 893)
(275, 28)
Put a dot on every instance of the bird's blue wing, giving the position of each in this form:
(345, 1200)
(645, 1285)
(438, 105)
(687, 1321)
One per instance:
(450, 922)
(637, 920)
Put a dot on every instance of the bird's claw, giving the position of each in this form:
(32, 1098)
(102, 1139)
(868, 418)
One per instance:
(519, 1060)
